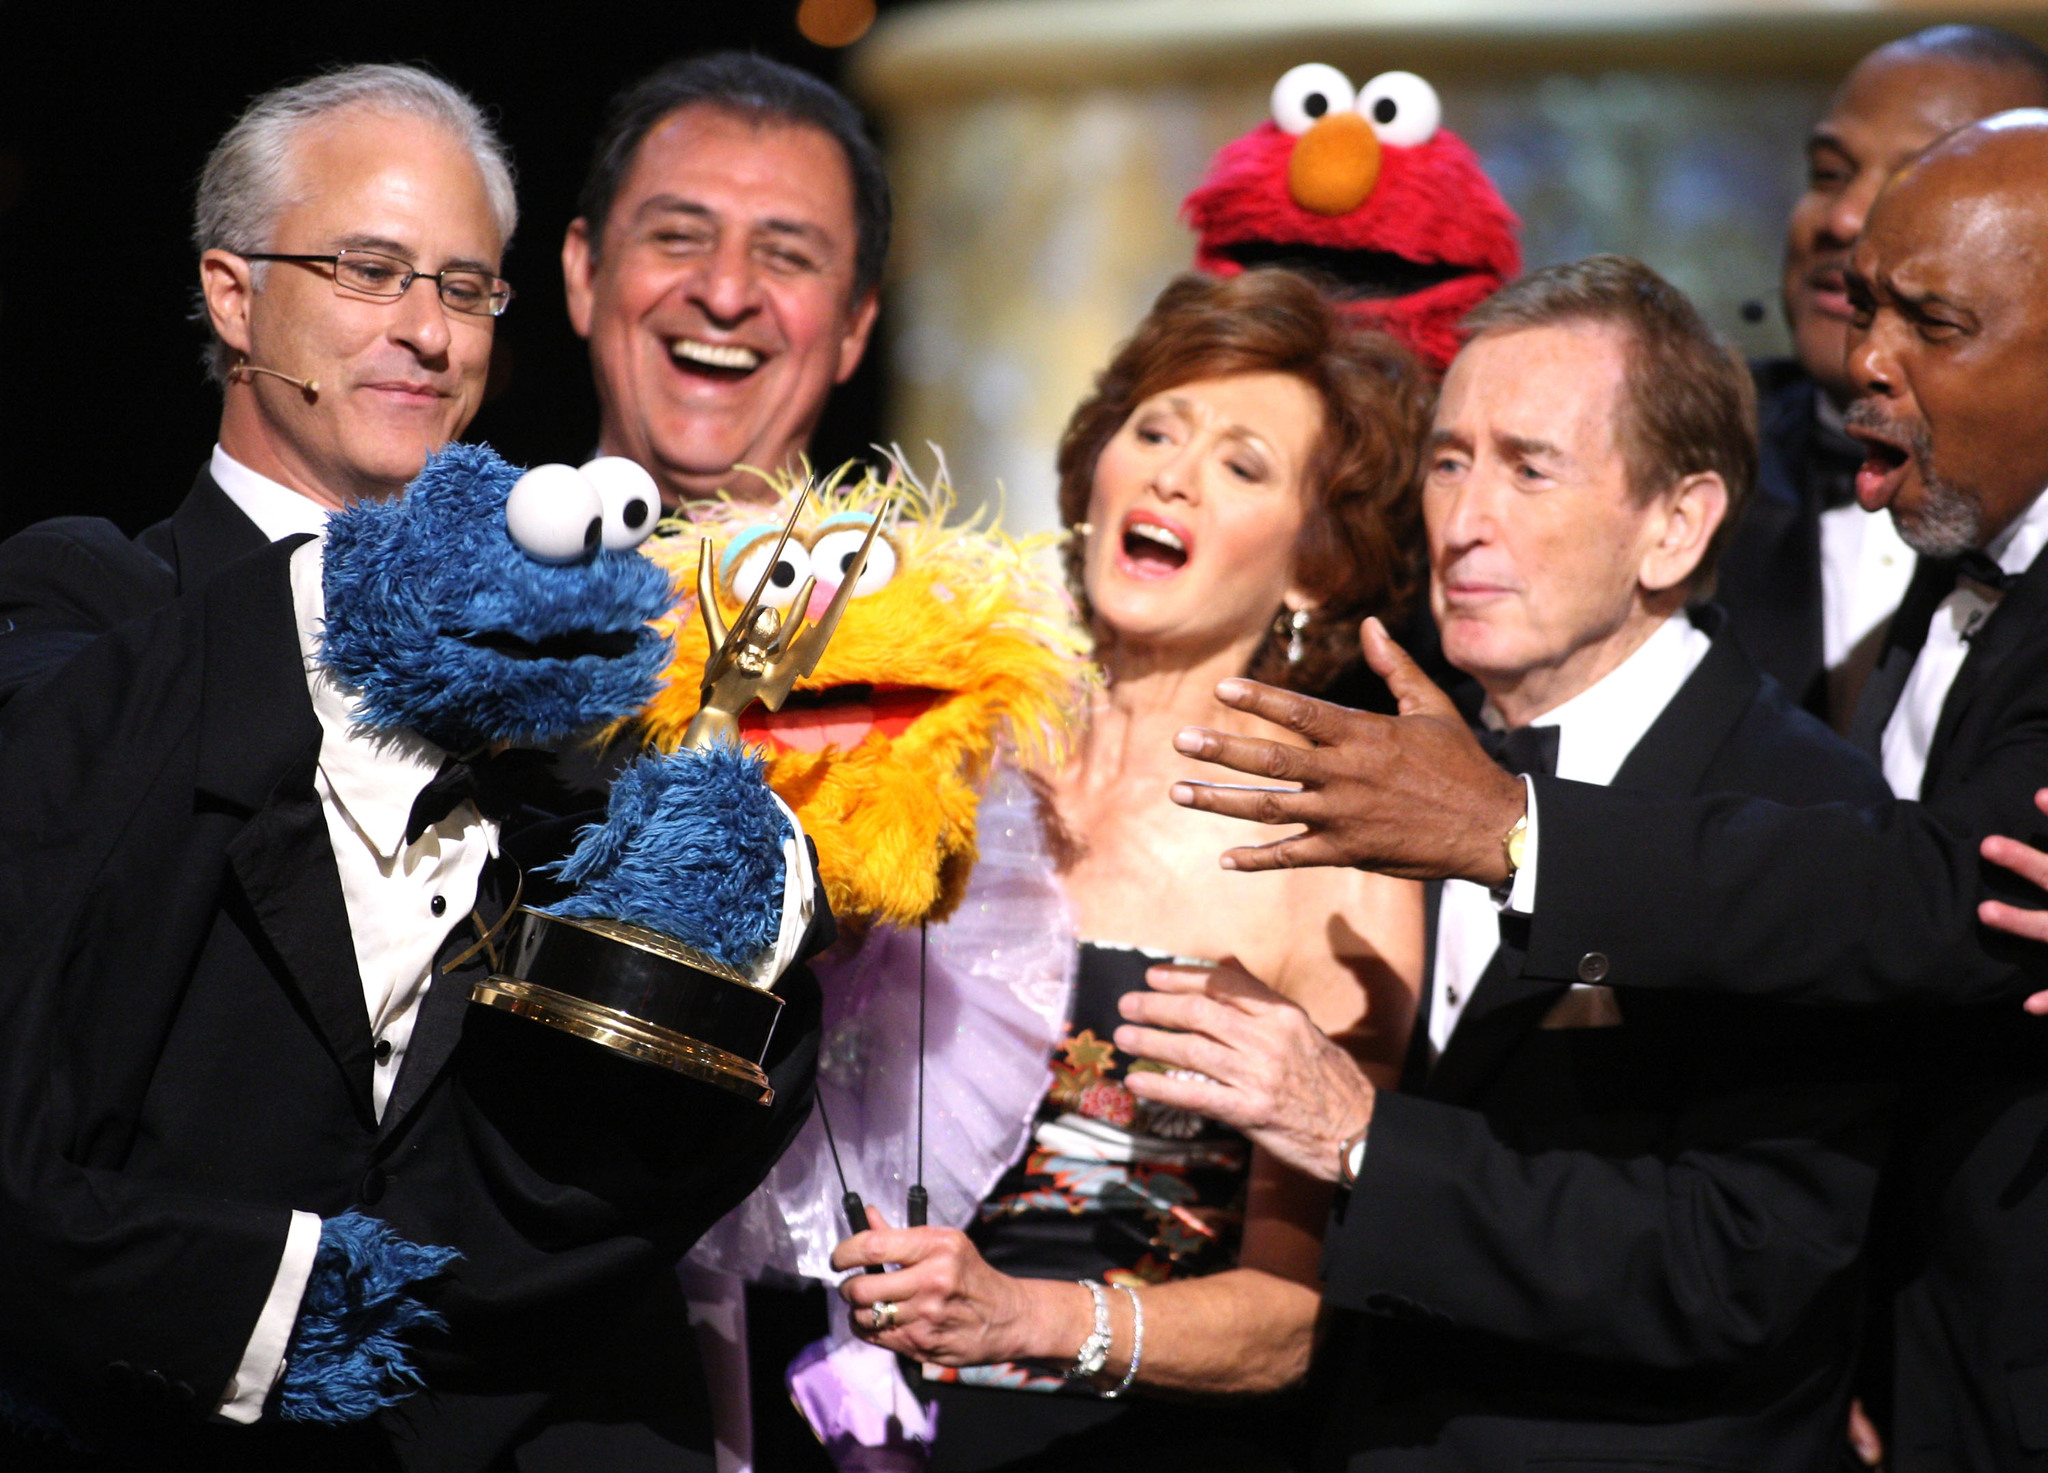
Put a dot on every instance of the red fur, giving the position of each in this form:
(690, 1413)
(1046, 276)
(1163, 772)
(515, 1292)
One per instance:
(1431, 204)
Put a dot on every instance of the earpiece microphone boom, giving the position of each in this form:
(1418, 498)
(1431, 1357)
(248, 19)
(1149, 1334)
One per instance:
(245, 370)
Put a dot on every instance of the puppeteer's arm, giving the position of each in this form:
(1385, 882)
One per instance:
(1706, 1256)
(1833, 904)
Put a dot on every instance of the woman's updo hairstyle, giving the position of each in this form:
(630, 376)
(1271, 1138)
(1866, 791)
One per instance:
(1359, 544)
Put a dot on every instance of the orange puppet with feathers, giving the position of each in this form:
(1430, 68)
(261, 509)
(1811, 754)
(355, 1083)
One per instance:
(953, 645)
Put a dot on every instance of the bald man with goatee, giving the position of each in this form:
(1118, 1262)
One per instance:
(1947, 352)
(1810, 578)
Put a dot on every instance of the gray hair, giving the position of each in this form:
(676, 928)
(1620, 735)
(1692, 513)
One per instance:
(247, 181)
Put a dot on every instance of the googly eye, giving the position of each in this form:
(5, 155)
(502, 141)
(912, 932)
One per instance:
(750, 568)
(838, 544)
(632, 502)
(1401, 107)
(555, 514)
(1308, 92)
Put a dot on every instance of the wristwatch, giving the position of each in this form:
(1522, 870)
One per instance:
(1514, 845)
(1094, 1352)
(1351, 1160)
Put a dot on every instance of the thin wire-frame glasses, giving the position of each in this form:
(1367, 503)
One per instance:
(371, 274)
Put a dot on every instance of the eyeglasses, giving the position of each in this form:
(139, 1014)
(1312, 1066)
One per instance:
(369, 274)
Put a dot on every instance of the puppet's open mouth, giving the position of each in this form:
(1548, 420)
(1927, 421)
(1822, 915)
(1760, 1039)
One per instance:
(1359, 275)
(840, 716)
(605, 644)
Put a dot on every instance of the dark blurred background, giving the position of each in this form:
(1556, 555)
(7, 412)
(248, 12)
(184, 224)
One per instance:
(106, 114)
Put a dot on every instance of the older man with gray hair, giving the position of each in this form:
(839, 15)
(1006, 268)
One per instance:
(350, 230)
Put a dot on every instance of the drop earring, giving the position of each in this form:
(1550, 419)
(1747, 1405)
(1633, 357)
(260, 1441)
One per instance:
(1292, 623)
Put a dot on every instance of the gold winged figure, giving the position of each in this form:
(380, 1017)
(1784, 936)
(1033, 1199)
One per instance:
(760, 656)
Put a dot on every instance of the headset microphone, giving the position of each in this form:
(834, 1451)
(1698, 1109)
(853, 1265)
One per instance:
(245, 369)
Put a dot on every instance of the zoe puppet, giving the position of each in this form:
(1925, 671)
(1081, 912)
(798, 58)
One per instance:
(956, 667)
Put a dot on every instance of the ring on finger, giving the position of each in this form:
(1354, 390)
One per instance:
(884, 1312)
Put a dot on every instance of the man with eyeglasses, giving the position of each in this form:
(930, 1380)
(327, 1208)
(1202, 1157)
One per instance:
(350, 230)
(284, 891)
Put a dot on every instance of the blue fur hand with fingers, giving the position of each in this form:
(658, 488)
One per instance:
(691, 846)
(347, 1358)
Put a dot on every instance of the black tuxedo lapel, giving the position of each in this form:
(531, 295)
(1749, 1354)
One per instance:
(1503, 1007)
(2015, 622)
(438, 1026)
(1781, 615)
(1671, 760)
(258, 747)
(1416, 1062)
(1932, 582)
(1770, 576)
(204, 535)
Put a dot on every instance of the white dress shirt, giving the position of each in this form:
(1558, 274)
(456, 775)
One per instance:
(402, 899)
(1910, 731)
(1597, 729)
(277, 510)
(1864, 569)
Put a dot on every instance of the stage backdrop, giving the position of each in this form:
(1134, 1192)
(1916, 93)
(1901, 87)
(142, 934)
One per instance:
(1040, 149)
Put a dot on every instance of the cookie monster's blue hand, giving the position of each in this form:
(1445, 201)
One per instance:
(472, 631)
(347, 1359)
(695, 845)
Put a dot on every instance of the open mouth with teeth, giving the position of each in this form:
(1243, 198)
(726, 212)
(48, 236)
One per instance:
(1153, 551)
(605, 644)
(1354, 276)
(723, 362)
(839, 716)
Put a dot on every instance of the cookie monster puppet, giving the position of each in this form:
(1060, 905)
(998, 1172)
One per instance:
(256, 1172)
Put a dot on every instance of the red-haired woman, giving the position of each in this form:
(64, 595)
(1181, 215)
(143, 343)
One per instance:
(1241, 491)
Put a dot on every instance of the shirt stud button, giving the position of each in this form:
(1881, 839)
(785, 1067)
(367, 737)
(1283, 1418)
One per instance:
(1593, 967)
(383, 1050)
(438, 905)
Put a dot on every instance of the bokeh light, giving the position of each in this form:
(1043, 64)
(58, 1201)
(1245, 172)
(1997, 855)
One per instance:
(834, 22)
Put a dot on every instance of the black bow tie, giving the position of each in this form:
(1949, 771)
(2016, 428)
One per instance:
(1527, 750)
(1981, 568)
(493, 783)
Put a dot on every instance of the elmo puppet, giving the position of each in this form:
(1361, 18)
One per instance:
(1365, 189)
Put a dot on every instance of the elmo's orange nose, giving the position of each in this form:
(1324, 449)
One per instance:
(1335, 164)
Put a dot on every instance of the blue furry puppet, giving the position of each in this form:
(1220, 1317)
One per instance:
(488, 609)
(485, 606)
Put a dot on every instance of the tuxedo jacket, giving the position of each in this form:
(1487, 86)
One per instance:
(1618, 1231)
(1847, 905)
(185, 1056)
(66, 581)
(1770, 581)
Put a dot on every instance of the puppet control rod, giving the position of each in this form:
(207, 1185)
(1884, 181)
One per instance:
(765, 670)
(918, 1206)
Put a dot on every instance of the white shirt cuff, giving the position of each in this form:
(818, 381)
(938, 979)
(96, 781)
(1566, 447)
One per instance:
(1522, 894)
(263, 1360)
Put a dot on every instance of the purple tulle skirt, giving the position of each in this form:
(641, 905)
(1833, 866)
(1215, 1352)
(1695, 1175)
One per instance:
(998, 984)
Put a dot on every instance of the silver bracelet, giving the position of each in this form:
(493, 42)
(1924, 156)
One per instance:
(1137, 1344)
(1094, 1352)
